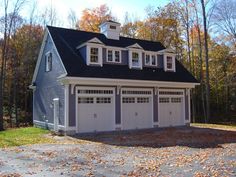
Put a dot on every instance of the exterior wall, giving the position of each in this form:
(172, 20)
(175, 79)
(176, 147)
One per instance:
(72, 103)
(47, 88)
(155, 107)
(187, 118)
(160, 62)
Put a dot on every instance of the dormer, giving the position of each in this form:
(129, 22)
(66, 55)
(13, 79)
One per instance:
(110, 29)
(168, 60)
(135, 56)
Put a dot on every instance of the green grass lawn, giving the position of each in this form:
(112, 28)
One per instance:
(23, 136)
(217, 126)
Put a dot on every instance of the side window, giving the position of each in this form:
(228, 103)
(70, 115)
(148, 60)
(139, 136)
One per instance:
(48, 61)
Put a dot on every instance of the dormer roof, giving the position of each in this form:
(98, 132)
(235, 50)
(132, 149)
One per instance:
(67, 40)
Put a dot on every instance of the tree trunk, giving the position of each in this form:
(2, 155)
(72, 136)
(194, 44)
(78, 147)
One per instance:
(206, 60)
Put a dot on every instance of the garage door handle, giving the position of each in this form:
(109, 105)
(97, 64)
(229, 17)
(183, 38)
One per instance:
(95, 115)
(136, 114)
(170, 112)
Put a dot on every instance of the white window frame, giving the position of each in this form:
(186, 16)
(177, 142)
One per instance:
(173, 69)
(150, 54)
(88, 58)
(114, 50)
(48, 66)
(140, 60)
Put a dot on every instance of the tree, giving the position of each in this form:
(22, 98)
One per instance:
(224, 17)
(8, 21)
(72, 18)
(92, 18)
(206, 60)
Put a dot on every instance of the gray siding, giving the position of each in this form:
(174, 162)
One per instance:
(72, 103)
(186, 106)
(47, 88)
(118, 108)
(155, 107)
(160, 62)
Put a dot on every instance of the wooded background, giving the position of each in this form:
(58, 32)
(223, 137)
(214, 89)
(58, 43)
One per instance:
(203, 34)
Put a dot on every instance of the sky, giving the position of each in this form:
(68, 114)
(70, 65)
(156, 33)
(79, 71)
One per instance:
(136, 8)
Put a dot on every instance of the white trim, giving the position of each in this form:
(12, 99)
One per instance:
(125, 82)
(135, 46)
(88, 50)
(40, 55)
(94, 40)
(94, 95)
(58, 56)
(50, 125)
(66, 108)
(173, 62)
(169, 96)
(46, 37)
(140, 59)
(136, 95)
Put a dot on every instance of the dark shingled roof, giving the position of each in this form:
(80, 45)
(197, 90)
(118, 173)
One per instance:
(66, 41)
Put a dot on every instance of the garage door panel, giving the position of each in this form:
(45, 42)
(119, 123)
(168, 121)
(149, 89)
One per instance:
(96, 110)
(137, 109)
(171, 108)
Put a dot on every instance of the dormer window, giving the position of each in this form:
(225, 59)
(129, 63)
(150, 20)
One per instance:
(169, 62)
(48, 61)
(135, 59)
(150, 59)
(94, 54)
(113, 55)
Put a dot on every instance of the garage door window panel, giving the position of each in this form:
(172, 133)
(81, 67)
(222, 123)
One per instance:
(100, 100)
(164, 100)
(95, 91)
(85, 100)
(128, 100)
(142, 100)
(176, 100)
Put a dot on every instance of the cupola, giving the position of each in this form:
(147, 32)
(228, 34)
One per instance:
(110, 29)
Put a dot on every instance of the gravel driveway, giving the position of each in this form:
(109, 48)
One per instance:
(166, 152)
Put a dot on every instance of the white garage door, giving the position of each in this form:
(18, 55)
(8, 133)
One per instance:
(171, 108)
(95, 109)
(136, 109)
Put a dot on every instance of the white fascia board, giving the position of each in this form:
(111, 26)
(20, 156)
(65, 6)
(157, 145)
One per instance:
(94, 40)
(40, 55)
(125, 82)
(59, 57)
(136, 45)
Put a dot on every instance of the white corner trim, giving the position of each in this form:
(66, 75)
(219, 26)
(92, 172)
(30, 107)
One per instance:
(66, 108)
